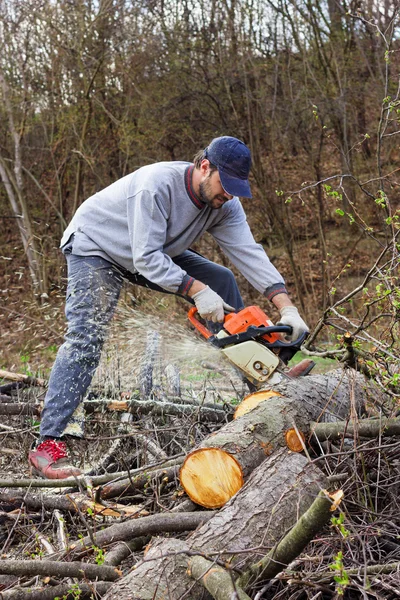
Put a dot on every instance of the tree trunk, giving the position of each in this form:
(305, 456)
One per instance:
(215, 471)
(269, 504)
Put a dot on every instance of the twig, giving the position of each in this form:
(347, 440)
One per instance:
(61, 535)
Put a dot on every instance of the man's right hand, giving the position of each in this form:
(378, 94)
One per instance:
(210, 305)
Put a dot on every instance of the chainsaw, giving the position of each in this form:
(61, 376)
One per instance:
(253, 344)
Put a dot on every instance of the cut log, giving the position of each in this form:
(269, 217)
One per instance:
(278, 492)
(256, 434)
(295, 439)
(253, 400)
(221, 474)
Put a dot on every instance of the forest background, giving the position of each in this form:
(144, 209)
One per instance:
(92, 90)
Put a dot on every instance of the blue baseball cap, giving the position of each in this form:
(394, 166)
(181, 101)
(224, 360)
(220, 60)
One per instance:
(233, 161)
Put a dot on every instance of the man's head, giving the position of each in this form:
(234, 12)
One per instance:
(232, 159)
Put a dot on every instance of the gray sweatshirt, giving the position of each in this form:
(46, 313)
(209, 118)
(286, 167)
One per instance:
(143, 220)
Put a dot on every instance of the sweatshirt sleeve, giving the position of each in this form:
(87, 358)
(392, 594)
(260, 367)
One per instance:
(234, 236)
(147, 215)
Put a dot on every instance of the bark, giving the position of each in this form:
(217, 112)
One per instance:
(369, 428)
(256, 434)
(80, 570)
(270, 503)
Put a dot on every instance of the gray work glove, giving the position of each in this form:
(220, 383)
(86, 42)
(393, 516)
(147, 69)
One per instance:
(210, 305)
(290, 316)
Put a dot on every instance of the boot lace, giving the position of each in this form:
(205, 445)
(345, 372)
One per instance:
(55, 448)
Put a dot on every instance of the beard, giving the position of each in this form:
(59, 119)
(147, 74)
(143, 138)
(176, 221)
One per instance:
(206, 196)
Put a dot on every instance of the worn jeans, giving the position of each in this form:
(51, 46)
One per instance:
(94, 286)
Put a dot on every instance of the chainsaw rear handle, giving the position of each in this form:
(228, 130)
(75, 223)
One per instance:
(251, 333)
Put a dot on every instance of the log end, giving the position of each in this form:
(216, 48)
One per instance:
(293, 441)
(253, 400)
(211, 476)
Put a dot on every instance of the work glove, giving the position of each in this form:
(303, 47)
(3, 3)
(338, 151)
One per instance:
(290, 316)
(211, 306)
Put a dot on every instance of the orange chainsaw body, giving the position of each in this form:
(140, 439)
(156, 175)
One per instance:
(251, 315)
(238, 322)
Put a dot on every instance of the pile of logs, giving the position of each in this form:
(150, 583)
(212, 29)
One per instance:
(252, 493)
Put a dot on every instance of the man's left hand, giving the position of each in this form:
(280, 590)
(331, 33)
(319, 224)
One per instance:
(290, 316)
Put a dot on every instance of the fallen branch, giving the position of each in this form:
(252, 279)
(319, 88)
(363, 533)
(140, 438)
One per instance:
(19, 408)
(64, 591)
(154, 524)
(155, 408)
(122, 550)
(359, 571)
(9, 387)
(34, 381)
(369, 428)
(294, 542)
(83, 481)
(138, 482)
(80, 570)
(215, 579)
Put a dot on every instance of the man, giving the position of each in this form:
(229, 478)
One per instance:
(140, 228)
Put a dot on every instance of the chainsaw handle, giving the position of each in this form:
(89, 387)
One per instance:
(199, 326)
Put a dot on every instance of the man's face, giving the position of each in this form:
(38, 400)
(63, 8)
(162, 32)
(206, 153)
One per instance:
(211, 191)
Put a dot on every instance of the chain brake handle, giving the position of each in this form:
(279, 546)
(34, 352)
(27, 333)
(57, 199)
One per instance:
(198, 325)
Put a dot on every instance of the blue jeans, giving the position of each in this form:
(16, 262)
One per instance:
(94, 286)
